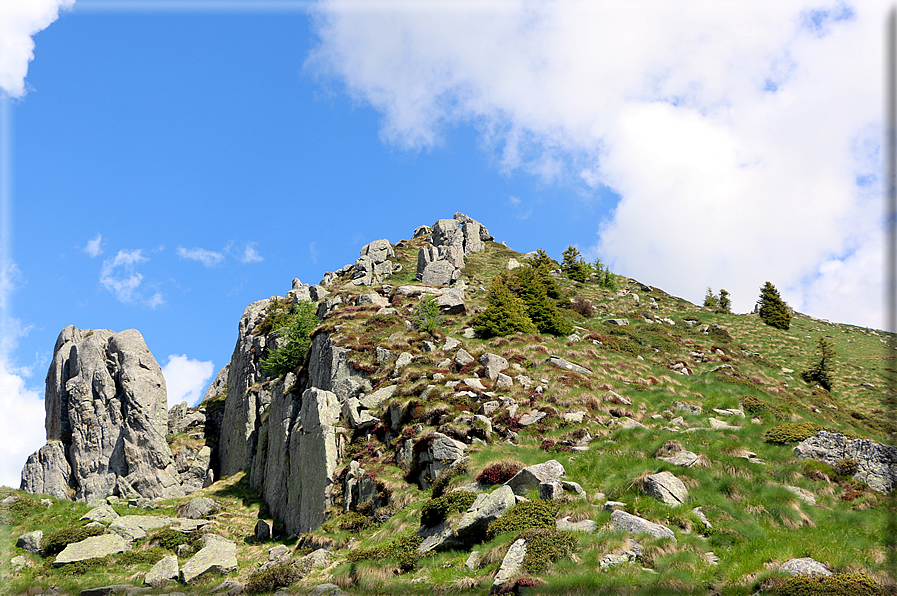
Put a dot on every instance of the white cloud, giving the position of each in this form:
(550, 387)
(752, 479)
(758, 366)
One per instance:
(22, 424)
(251, 255)
(94, 247)
(186, 378)
(735, 134)
(19, 21)
(119, 276)
(208, 258)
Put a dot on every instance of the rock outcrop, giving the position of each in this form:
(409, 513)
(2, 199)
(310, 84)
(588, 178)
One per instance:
(876, 463)
(106, 421)
(440, 263)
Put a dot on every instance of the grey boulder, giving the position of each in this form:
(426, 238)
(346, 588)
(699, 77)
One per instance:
(531, 477)
(877, 462)
(31, 541)
(804, 566)
(665, 487)
(95, 547)
(218, 555)
(161, 573)
(627, 522)
(485, 509)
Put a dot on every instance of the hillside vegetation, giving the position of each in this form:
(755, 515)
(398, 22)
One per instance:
(677, 378)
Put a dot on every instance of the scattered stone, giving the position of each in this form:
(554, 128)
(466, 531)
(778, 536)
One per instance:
(617, 321)
(700, 515)
(665, 487)
(636, 525)
(276, 552)
(532, 476)
(494, 364)
(199, 508)
(218, 555)
(531, 418)
(318, 559)
(510, 565)
(682, 458)
(717, 424)
(804, 566)
(452, 302)
(475, 383)
(31, 541)
(627, 423)
(688, 408)
(438, 537)
(574, 417)
(462, 357)
(402, 361)
(262, 530)
(379, 396)
(512, 264)
(162, 572)
(548, 491)
(472, 560)
(615, 398)
(802, 494)
(327, 590)
(107, 590)
(488, 408)
(485, 509)
(565, 525)
(566, 365)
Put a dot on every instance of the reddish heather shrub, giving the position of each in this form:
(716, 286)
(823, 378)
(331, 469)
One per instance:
(499, 472)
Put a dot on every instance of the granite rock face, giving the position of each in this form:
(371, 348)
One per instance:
(877, 462)
(106, 420)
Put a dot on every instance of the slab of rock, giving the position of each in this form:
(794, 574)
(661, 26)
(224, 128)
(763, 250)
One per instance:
(682, 458)
(565, 525)
(802, 494)
(218, 555)
(462, 357)
(617, 321)
(484, 510)
(531, 477)
(615, 398)
(379, 396)
(717, 424)
(688, 408)
(319, 559)
(327, 590)
(531, 418)
(452, 302)
(442, 452)
(510, 565)
(103, 513)
(31, 541)
(567, 365)
(262, 530)
(107, 590)
(877, 462)
(574, 417)
(627, 423)
(439, 537)
(627, 522)
(94, 547)
(494, 364)
(665, 487)
(804, 566)
(198, 508)
(439, 273)
(162, 572)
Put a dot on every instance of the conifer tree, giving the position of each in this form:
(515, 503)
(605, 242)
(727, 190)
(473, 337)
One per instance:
(710, 301)
(574, 266)
(773, 310)
(540, 308)
(506, 314)
(822, 372)
(724, 303)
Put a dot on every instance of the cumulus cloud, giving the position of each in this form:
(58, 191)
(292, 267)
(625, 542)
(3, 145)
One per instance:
(208, 258)
(186, 378)
(250, 254)
(119, 276)
(22, 425)
(94, 247)
(19, 22)
(742, 139)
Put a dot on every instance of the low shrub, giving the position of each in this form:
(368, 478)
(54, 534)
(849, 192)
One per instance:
(846, 466)
(544, 546)
(81, 567)
(753, 404)
(499, 472)
(791, 432)
(583, 306)
(436, 510)
(169, 539)
(442, 481)
(139, 557)
(54, 543)
(403, 550)
(269, 580)
(524, 516)
(839, 584)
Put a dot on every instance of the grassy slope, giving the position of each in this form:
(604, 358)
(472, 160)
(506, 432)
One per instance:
(756, 521)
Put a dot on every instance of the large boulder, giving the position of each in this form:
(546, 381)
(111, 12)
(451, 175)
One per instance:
(510, 565)
(161, 573)
(31, 541)
(485, 509)
(626, 522)
(106, 405)
(217, 555)
(877, 463)
(804, 566)
(665, 487)
(531, 477)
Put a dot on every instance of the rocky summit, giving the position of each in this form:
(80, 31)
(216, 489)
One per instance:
(448, 415)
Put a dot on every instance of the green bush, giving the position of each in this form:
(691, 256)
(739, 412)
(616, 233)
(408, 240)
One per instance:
(171, 539)
(403, 550)
(25, 507)
(436, 510)
(441, 483)
(269, 580)
(574, 267)
(297, 331)
(54, 543)
(81, 567)
(846, 466)
(276, 316)
(545, 546)
(524, 516)
(773, 310)
(527, 284)
(426, 316)
(839, 584)
(791, 432)
(139, 557)
(504, 315)
(752, 404)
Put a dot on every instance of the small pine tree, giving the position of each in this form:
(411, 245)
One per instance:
(540, 308)
(506, 314)
(710, 301)
(426, 315)
(822, 372)
(296, 329)
(541, 259)
(773, 310)
(724, 303)
(574, 266)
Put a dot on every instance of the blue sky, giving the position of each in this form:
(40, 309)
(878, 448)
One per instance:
(168, 163)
